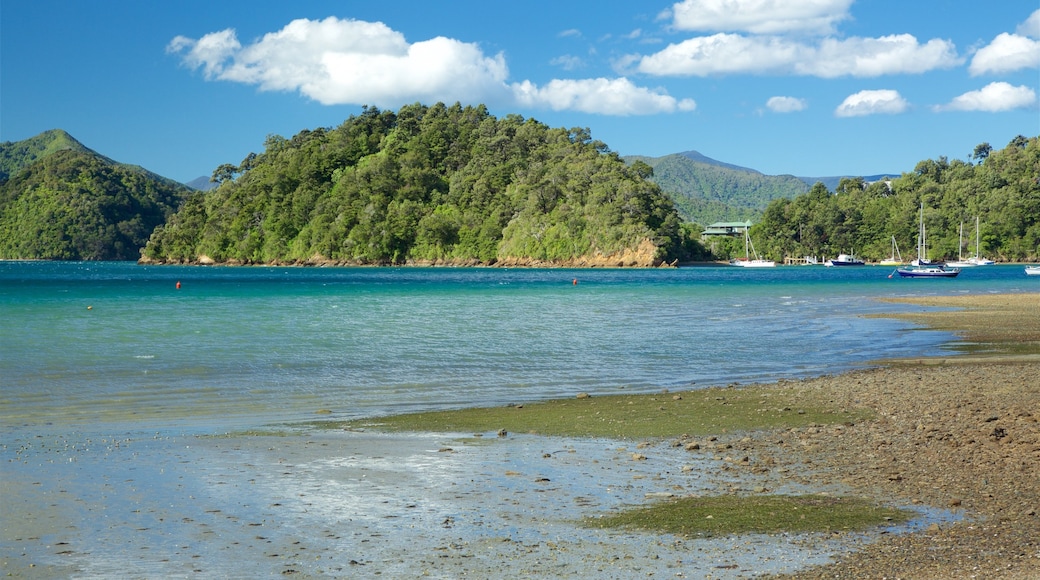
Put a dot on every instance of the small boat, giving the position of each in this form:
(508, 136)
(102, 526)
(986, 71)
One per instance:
(961, 262)
(977, 259)
(896, 259)
(928, 272)
(922, 248)
(1032, 270)
(747, 261)
(844, 260)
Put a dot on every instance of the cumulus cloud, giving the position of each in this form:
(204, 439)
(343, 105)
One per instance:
(786, 104)
(830, 58)
(342, 61)
(608, 96)
(993, 98)
(880, 102)
(1006, 53)
(1031, 27)
(1010, 52)
(337, 61)
(760, 16)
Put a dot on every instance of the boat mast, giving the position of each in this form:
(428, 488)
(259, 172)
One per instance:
(920, 238)
(977, 255)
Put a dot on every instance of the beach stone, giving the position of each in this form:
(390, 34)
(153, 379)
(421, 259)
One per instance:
(693, 446)
(583, 396)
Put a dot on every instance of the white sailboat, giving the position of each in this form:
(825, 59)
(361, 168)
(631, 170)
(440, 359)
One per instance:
(922, 267)
(961, 262)
(747, 261)
(896, 259)
(922, 246)
(977, 259)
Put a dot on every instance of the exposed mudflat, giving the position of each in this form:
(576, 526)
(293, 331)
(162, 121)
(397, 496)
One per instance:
(357, 504)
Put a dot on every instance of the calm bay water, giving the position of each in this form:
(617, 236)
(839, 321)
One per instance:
(120, 344)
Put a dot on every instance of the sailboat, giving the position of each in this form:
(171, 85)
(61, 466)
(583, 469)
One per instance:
(977, 259)
(921, 267)
(746, 261)
(961, 262)
(896, 259)
(922, 246)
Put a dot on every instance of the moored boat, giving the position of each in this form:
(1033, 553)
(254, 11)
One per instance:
(844, 260)
(747, 261)
(896, 259)
(928, 272)
(1033, 270)
(960, 262)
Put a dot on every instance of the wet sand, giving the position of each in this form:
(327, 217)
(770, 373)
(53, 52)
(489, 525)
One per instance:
(957, 439)
(343, 504)
(959, 431)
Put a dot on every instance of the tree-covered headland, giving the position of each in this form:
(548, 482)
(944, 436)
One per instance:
(430, 185)
(999, 187)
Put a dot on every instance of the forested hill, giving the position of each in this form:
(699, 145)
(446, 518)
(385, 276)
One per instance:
(429, 185)
(61, 201)
(706, 191)
(1000, 191)
(16, 156)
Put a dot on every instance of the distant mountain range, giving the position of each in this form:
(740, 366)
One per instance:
(202, 183)
(707, 190)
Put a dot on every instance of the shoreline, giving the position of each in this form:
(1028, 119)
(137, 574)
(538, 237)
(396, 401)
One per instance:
(961, 432)
(958, 439)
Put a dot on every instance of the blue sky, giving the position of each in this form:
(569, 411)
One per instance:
(803, 87)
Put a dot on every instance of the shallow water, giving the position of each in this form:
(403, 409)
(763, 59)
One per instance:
(119, 344)
(345, 504)
(116, 387)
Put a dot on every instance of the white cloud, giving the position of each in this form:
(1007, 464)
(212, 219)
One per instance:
(1031, 27)
(786, 104)
(720, 54)
(993, 98)
(1007, 52)
(873, 57)
(336, 62)
(209, 52)
(760, 16)
(865, 103)
(857, 57)
(568, 62)
(608, 96)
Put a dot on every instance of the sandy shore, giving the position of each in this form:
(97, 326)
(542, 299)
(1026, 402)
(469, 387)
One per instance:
(962, 432)
(956, 438)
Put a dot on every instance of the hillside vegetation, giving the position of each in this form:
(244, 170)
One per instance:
(16, 156)
(707, 191)
(61, 201)
(429, 185)
(1002, 189)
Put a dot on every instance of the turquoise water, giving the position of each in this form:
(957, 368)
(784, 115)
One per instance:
(120, 344)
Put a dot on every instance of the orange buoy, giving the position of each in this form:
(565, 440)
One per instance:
(575, 281)
(178, 284)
